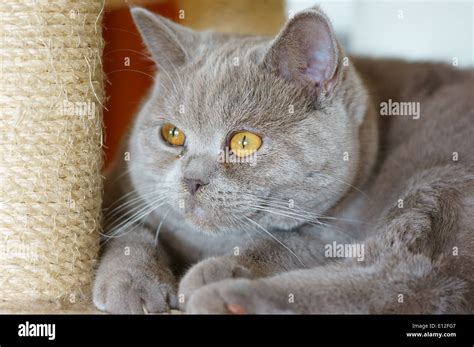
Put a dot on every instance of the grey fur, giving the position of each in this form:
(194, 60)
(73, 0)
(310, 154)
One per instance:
(238, 258)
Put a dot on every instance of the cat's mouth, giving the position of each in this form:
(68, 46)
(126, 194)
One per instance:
(218, 216)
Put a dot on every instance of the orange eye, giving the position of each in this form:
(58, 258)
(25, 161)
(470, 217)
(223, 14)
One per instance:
(245, 143)
(172, 134)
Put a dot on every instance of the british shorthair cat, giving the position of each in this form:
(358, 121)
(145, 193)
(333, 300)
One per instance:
(264, 178)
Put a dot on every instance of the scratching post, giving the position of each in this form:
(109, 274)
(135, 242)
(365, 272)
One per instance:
(51, 92)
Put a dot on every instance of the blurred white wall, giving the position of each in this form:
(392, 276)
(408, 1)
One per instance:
(439, 30)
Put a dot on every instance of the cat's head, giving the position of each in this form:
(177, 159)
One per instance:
(240, 131)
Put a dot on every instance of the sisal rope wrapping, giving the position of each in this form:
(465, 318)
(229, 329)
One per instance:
(51, 91)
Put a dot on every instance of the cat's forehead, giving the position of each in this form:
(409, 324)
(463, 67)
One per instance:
(229, 90)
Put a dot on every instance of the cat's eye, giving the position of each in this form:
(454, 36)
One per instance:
(244, 143)
(172, 134)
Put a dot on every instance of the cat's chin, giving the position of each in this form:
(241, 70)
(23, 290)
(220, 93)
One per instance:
(201, 220)
(206, 226)
(206, 223)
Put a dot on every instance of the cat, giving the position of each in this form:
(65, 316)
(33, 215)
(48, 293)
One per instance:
(343, 210)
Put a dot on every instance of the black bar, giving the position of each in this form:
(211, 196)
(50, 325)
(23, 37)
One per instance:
(310, 330)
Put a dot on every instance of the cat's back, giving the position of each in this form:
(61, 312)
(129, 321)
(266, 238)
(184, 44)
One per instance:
(426, 110)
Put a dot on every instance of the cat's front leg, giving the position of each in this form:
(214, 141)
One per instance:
(402, 283)
(260, 260)
(414, 285)
(133, 275)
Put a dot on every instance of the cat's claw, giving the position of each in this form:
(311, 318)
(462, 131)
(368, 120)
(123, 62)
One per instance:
(123, 293)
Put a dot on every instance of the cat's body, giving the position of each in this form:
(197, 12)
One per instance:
(401, 187)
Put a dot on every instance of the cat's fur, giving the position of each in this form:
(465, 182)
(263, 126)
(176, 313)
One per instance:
(239, 242)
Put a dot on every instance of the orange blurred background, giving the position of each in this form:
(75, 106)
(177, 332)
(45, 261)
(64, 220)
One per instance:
(129, 73)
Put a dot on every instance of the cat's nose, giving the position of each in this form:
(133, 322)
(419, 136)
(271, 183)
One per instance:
(194, 184)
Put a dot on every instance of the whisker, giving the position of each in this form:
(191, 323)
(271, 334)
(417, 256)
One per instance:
(282, 203)
(318, 216)
(315, 222)
(139, 203)
(240, 223)
(143, 210)
(159, 225)
(275, 238)
(110, 214)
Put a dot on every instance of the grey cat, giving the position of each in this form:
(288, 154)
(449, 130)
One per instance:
(342, 210)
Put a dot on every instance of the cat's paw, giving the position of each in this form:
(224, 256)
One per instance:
(134, 291)
(209, 271)
(239, 296)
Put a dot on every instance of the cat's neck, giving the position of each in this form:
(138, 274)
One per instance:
(366, 168)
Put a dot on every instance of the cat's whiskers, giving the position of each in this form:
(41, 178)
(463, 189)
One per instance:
(285, 212)
(258, 226)
(281, 208)
(262, 205)
(247, 226)
(144, 210)
(115, 225)
(141, 208)
(109, 214)
(241, 225)
(296, 209)
(160, 225)
(278, 203)
(314, 222)
(132, 225)
(123, 197)
(284, 203)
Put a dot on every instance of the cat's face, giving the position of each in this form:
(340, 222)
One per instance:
(222, 93)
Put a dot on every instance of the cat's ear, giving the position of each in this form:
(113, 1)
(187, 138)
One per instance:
(306, 51)
(165, 40)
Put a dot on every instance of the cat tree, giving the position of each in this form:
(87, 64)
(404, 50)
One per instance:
(51, 92)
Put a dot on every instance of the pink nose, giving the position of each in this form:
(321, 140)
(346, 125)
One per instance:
(194, 184)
